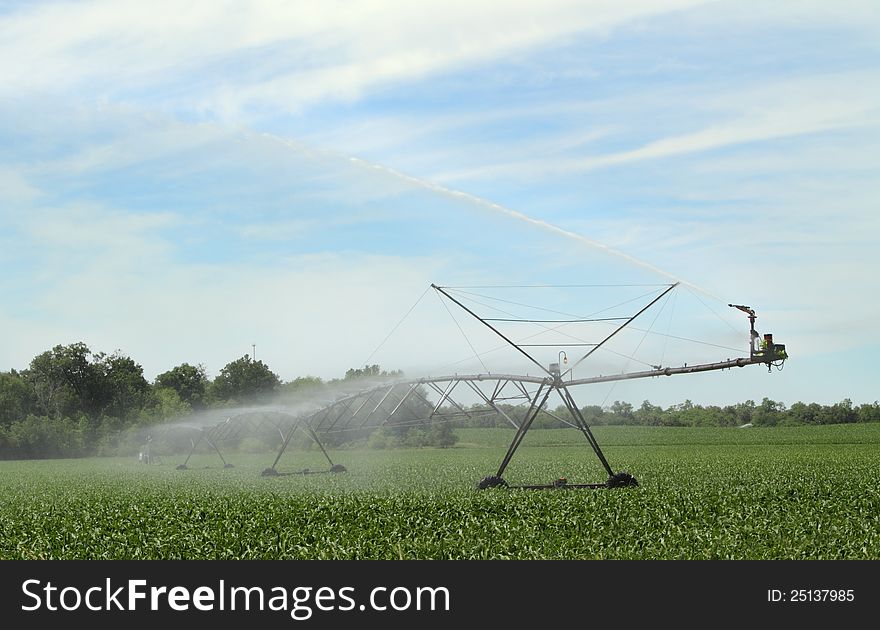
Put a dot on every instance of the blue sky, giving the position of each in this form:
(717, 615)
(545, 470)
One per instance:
(181, 181)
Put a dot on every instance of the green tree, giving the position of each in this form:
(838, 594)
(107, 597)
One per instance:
(39, 437)
(370, 371)
(687, 414)
(189, 381)
(164, 403)
(768, 413)
(69, 381)
(123, 390)
(243, 379)
(594, 414)
(302, 384)
(648, 414)
(801, 413)
(16, 397)
(622, 413)
(441, 434)
(869, 412)
(843, 412)
(65, 381)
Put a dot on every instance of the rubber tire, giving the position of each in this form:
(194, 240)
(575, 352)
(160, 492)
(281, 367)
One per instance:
(492, 481)
(621, 480)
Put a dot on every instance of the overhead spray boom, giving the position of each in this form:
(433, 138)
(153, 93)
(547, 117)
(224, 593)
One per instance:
(382, 403)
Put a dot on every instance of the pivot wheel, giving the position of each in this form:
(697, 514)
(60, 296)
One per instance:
(621, 480)
(269, 472)
(492, 481)
(338, 468)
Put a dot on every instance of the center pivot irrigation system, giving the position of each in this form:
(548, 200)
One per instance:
(407, 403)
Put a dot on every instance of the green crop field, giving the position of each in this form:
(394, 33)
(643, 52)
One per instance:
(798, 493)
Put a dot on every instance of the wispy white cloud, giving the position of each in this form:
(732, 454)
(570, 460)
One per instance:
(755, 113)
(140, 141)
(822, 104)
(278, 54)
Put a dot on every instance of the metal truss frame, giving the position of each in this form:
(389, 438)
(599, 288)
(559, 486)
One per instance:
(406, 402)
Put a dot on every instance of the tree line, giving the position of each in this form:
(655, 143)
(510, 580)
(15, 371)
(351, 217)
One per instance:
(71, 402)
(767, 413)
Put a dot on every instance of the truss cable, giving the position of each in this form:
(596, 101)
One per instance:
(562, 324)
(546, 328)
(653, 321)
(554, 321)
(463, 294)
(621, 327)
(491, 327)
(711, 310)
(467, 296)
(608, 394)
(668, 328)
(476, 354)
(632, 358)
(396, 326)
(705, 343)
(555, 286)
(639, 345)
(626, 356)
(548, 310)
